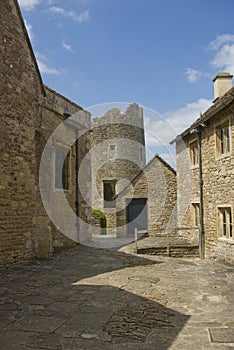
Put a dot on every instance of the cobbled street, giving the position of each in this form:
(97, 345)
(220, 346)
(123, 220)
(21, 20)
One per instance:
(88, 298)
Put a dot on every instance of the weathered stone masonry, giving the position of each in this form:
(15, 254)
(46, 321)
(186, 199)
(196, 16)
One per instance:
(157, 183)
(217, 175)
(21, 94)
(29, 114)
(125, 131)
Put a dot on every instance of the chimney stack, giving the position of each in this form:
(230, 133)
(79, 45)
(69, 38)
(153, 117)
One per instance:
(222, 83)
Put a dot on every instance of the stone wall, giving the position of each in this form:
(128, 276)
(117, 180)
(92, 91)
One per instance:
(218, 179)
(126, 132)
(218, 176)
(30, 112)
(187, 190)
(21, 93)
(53, 109)
(157, 183)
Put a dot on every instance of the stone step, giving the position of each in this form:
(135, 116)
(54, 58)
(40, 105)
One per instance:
(178, 251)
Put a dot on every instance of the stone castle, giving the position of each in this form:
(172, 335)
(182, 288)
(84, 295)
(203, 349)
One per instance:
(194, 203)
(118, 155)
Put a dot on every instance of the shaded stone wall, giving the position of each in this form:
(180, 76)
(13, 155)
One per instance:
(157, 183)
(187, 190)
(49, 237)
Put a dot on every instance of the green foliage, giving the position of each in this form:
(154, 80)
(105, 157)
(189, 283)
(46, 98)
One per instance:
(101, 215)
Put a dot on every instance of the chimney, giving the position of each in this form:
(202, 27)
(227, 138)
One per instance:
(222, 83)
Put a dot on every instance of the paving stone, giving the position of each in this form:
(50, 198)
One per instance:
(140, 346)
(89, 336)
(71, 330)
(96, 320)
(37, 324)
(93, 299)
(10, 339)
(84, 344)
(222, 335)
(44, 341)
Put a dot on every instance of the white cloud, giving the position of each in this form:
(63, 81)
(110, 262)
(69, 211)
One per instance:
(43, 67)
(223, 45)
(158, 133)
(224, 59)
(220, 40)
(183, 117)
(192, 74)
(29, 30)
(162, 129)
(82, 17)
(67, 47)
(28, 5)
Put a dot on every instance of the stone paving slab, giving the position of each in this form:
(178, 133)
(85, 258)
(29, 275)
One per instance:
(88, 298)
(222, 335)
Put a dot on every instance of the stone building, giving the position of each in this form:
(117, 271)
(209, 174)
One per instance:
(118, 155)
(149, 202)
(205, 176)
(30, 112)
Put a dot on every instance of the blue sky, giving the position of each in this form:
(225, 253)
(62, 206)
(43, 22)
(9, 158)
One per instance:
(161, 54)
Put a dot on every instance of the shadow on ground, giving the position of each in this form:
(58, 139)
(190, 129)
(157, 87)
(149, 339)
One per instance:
(43, 306)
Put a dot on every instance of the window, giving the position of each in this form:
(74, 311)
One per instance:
(112, 152)
(196, 214)
(194, 153)
(62, 169)
(109, 193)
(223, 142)
(225, 222)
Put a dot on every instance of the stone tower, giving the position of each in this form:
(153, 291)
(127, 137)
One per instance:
(118, 155)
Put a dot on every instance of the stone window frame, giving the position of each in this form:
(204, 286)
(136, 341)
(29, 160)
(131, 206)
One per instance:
(225, 222)
(109, 204)
(192, 154)
(195, 208)
(218, 143)
(68, 152)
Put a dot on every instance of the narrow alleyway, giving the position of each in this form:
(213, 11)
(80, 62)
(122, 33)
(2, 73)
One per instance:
(95, 299)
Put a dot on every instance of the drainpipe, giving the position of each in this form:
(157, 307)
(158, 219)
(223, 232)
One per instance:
(201, 227)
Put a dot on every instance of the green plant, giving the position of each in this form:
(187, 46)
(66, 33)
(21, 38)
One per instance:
(101, 215)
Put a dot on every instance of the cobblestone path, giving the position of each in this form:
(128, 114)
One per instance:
(95, 299)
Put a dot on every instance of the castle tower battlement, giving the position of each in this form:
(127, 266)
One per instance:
(118, 155)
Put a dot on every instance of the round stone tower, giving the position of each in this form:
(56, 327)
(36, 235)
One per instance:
(118, 155)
